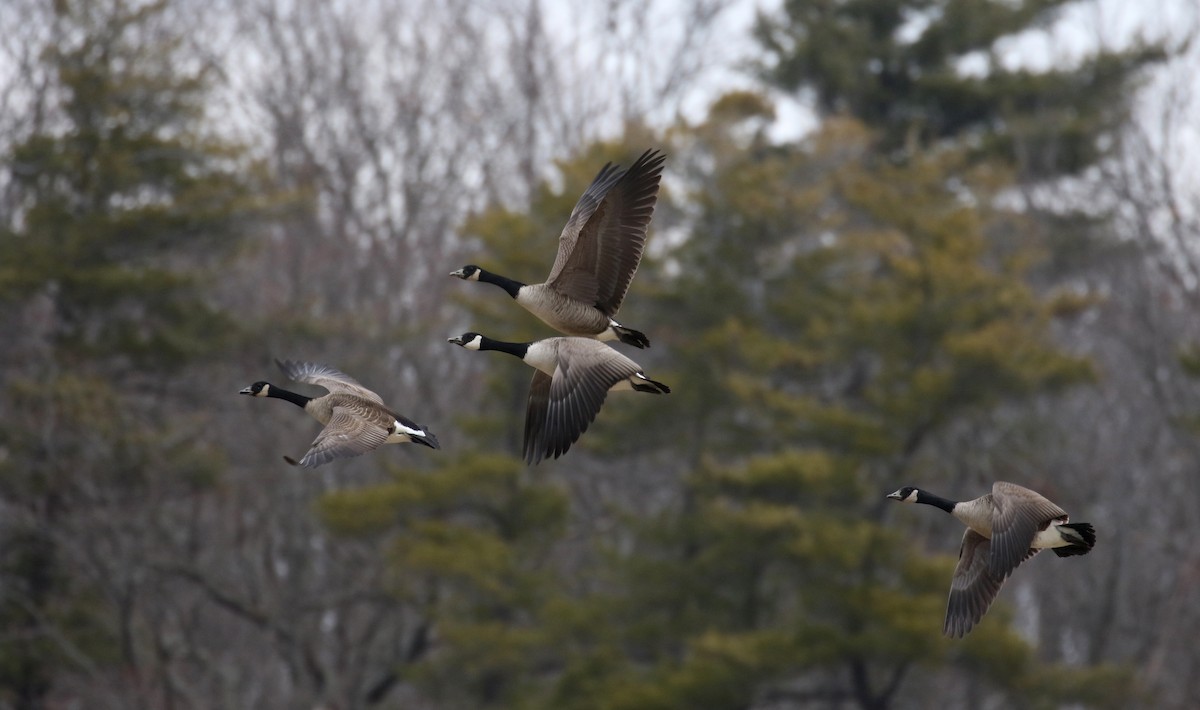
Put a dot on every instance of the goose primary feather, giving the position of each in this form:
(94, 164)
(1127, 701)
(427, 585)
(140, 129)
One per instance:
(598, 253)
(572, 378)
(356, 419)
(1004, 528)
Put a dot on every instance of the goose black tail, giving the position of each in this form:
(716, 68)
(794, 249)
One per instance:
(629, 336)
(428, 440)
(1082, 537)
(650, 386)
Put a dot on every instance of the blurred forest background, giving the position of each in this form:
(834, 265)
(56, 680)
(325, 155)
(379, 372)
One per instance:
(900, 242)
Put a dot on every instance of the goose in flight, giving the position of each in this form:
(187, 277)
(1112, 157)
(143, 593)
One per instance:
(356, 419)
(1004, 528)
(571, 380)
(598, 253)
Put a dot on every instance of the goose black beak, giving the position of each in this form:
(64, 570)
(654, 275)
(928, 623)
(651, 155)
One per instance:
(246, 390)
(459, 273)
(457, 340)
(895, 496)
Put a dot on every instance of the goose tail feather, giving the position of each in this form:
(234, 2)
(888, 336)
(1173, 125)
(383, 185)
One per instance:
(629, 336)
(1082, 537)
(427, 440)
(641, 383)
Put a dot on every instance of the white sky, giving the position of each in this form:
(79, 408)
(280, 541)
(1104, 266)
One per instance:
(1113, 23)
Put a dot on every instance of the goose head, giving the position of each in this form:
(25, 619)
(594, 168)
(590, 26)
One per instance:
(907, 494)
(470, 341)
(470, 272)
(258, 389)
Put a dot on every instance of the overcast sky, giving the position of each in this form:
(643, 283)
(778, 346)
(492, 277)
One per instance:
(1112, 23)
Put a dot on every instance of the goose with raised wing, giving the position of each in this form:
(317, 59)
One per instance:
(356, 419)
(598, 253)
(573, 376)
(1004, 528)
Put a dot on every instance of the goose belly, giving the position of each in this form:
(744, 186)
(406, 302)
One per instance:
(975, 514)
(543, 355)
(320, 408)
(564, 314)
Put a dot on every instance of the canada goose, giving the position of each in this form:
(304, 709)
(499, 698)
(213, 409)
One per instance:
(598, 252)
(573, 377)
(1004, 528)
(356, 419)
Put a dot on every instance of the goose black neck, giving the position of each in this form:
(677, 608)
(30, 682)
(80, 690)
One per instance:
(295, 398)
(514, 349)
(510, 286)
(936, 501)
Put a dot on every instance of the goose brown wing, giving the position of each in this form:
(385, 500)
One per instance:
(336, 381)
(592, 199)
(558, 414)
(347, 434)
(973, 587)
(602, 244)
(1018, 514)
(534, 448)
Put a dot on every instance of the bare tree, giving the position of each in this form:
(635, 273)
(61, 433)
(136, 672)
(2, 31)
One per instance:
(382, 125)
(1129, 448)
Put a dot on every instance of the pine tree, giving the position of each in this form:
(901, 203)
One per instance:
(125, 207)
(840, 316)
(897, 67)
(125, 199)
(475, 543)
(469, 551)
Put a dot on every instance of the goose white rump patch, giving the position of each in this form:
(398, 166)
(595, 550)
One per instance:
(1050, 537)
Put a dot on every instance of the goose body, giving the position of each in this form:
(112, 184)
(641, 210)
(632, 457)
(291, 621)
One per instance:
(598, 253)
(356, 420)
(573, 376)
(1004, 528)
